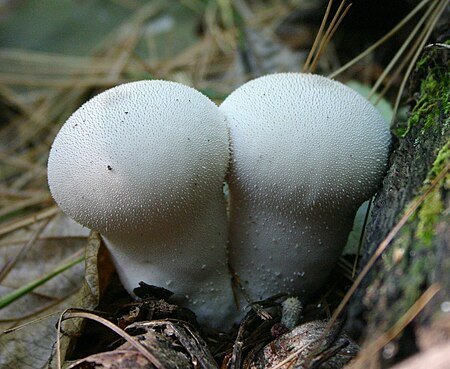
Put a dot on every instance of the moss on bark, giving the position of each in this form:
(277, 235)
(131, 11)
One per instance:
(420, 253)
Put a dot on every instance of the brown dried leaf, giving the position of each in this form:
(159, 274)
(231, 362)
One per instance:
(30, 345)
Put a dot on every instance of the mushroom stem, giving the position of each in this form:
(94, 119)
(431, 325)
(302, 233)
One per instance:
(180, 254)
(275, 252)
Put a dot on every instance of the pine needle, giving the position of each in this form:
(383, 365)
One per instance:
(29, 287)
(306, 66)
(335, 22)
(381, 41)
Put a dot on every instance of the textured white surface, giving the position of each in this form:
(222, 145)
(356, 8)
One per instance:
(144, 163)
(306, 152)
(291, 312)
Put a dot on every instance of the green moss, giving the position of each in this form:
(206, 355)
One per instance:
(442, 159)
(414, 259)
(433, 205)
(411, 257)
(418, 273)
(433, 103)
(428, 215)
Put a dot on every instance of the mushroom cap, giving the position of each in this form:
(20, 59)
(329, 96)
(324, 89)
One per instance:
(139, 156)
(310, 140)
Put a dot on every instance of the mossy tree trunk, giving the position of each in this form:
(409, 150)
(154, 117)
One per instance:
(419, 255)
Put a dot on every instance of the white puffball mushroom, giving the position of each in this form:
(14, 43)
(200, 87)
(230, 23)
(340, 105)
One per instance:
(306, 151)
(144, 164)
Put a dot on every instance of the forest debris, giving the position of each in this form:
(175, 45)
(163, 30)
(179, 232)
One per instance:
(173, 344)
(292, 349)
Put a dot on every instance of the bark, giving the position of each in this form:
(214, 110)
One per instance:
(419, 256)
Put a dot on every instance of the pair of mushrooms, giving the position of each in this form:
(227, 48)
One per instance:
(144, 164)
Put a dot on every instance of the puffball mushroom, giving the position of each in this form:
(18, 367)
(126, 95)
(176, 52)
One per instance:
(144, 164)
(306, 151)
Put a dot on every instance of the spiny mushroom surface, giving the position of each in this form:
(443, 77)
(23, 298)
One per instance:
(144, 164)
(306, 152)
